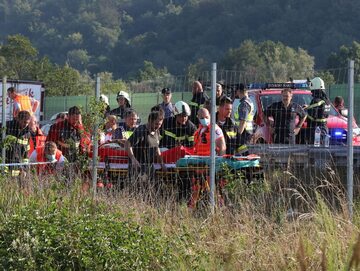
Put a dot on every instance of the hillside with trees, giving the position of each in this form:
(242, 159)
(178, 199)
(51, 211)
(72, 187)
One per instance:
(119, 35)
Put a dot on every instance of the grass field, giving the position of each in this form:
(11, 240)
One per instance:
(52, 226)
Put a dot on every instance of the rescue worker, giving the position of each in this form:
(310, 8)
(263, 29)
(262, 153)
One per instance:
(70, 136)
(284, 127)
(178, 130)
(236, 98)
(198, 100)
(22, 102)
(16, 141)
(202, 147)
(48, 153)
(244, 119)
(167, 105)
(105, 100)
(124, 103)
(227, 124)
(318, 110)
(126, 129)
(202, 136)
(37, 137)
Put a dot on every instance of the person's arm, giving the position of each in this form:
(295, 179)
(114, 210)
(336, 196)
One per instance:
(131, 155)
(221, 146)
(300, 124)
(160, 159)
(35, 105)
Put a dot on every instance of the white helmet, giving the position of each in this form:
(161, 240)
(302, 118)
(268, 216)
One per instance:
(182, 107)
(125, 95)
(104, 98)
(317, 83)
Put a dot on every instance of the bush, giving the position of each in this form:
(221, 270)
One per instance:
(58, 238)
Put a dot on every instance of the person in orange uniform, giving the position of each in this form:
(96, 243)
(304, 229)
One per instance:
(22, 102)
(37, 137)
(48, 153)
(202, 136)
(202, 147)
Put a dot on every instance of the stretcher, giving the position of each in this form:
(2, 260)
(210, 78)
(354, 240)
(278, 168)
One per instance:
(179, 162)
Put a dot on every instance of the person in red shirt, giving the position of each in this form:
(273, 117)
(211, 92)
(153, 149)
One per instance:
(70, 136)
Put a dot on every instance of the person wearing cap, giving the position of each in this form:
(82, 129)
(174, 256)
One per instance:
(284, 127)
(198, 100)
(124, 102)
(178, 130)
(244, 117)
(166, 105)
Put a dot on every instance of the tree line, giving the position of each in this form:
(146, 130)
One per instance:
(118, 35)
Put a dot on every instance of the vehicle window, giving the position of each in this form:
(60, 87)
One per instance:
(253, 100)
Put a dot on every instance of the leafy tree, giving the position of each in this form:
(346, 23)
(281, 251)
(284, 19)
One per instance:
(19, 54)
(149, 71)
(109, 85)
(269, 61)
(338, 62)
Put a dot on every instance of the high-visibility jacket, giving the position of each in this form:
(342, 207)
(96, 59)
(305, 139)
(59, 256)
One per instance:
(202, 142)
(40, 157)
(318, 111)
(249, 119)
(38, 142)
(24, 103)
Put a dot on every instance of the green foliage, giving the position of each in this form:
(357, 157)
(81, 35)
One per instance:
(173, 34)
(149, 71)
(17, 55)
(269, 61)
(56, 237)
(341, 60)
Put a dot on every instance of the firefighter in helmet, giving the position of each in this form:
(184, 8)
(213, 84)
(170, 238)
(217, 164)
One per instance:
(318, 110)
(178, 129)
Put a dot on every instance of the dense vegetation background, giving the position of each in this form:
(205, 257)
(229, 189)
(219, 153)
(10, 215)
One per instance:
(118, 35)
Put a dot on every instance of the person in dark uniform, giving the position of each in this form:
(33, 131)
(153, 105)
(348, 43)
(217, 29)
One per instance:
(219, 93)
(227, 124)
(198, 100)
(178, 130)
(17, 141)
(318, 111)
(167, 105)
(143, 145)
(284, 114)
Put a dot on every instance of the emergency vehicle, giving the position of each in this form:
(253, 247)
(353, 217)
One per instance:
(264, 94)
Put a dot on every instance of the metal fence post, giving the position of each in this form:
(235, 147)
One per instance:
(3, 120)
(350, 150)
(95, 140)
(213, 124)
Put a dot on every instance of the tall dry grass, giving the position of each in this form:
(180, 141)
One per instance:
(286, 224)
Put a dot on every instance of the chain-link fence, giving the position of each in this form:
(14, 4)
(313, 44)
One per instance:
(292, 135)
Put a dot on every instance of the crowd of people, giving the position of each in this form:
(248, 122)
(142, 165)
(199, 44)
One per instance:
(169, 126)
